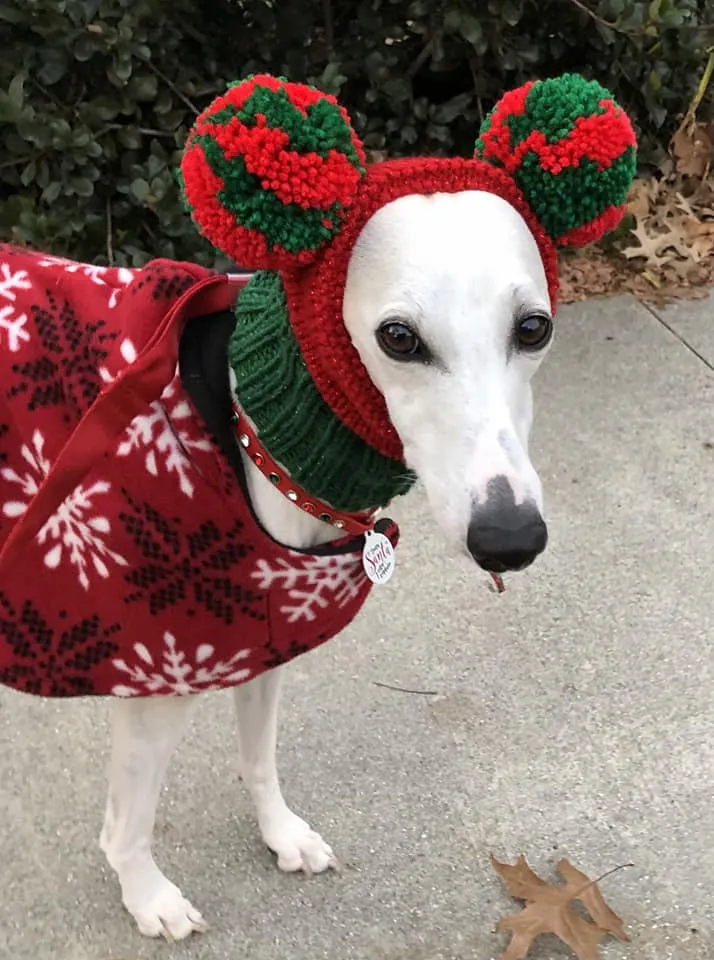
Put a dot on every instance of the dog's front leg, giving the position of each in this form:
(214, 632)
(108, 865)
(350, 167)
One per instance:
(296, 845)
(145, 733)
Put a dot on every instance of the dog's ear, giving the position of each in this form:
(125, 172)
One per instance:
(571, 150)
(269, 171)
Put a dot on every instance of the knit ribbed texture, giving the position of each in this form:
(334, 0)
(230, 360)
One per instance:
(293, 422)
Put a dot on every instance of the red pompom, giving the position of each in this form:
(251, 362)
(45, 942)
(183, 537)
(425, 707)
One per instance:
(270, 170)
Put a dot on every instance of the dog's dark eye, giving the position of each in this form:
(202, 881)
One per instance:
(533, 332)
(398, 340)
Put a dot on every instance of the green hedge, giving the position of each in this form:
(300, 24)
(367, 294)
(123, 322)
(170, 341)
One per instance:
(96, 96)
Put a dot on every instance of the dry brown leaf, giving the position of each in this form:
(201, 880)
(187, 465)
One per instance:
(680, 233)
(639, 198)
(549, 909)
(684, 204)
(593, 272)
(668, 254)
(650, 246)
(692, 150)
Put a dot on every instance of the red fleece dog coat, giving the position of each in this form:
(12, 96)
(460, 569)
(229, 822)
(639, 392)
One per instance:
(152, 575)
(130, 560)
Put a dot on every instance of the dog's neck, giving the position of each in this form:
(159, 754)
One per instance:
(296, 427)
(283, 520)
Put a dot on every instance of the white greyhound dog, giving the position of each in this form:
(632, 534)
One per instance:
(447, 297)
(467, 292)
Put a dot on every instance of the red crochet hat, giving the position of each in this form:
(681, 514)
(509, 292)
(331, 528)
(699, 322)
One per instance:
(275, 177)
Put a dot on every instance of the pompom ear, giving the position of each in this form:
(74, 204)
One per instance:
(571, 150)
(269, 171)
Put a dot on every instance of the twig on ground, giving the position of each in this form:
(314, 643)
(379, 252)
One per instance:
(392, 686)
(592, 883)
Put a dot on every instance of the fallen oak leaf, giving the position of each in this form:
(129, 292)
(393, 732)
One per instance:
(549, 910)
(683, 203)
(591, 898)
(680, 230)
(702, 247)
(582, 937)
(654, 247)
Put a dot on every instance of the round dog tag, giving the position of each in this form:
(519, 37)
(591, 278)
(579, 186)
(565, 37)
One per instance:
(378, 557)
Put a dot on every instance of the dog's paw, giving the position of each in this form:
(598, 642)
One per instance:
(297, 846)
(161, 910)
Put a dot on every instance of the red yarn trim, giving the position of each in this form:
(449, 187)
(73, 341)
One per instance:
(219, 226)
(301, 96)
(590, 232)
(235, 139)
(601, 137)
(315, 295)
(237, 95)
(306, 179)
(201, 187)
(312, 182)
(497, 139)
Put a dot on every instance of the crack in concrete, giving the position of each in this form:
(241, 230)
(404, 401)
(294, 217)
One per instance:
(675, 333)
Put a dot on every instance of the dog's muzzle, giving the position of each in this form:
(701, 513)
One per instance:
(503, 536)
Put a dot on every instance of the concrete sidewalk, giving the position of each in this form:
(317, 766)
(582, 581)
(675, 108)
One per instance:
(572, 716)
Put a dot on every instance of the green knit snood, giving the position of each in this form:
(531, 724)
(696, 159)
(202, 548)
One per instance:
(293, 422)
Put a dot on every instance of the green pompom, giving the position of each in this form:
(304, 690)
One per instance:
(571, 150)
(270, 170)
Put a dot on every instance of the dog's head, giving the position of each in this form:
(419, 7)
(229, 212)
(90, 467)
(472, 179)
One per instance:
(421, 291)
(447, 303)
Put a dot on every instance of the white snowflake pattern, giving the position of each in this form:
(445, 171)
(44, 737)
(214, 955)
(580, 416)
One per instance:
(72, 531)
(29, 484)
(312, 583)
(128, 354)
(177, 674)
(154, 433)
(94, 273)
(11, 282)
(12, 322)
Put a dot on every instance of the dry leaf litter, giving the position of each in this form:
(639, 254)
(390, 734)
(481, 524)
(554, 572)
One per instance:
(664, 248)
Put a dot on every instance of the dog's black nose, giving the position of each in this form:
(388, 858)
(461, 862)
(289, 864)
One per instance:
(504, 536)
